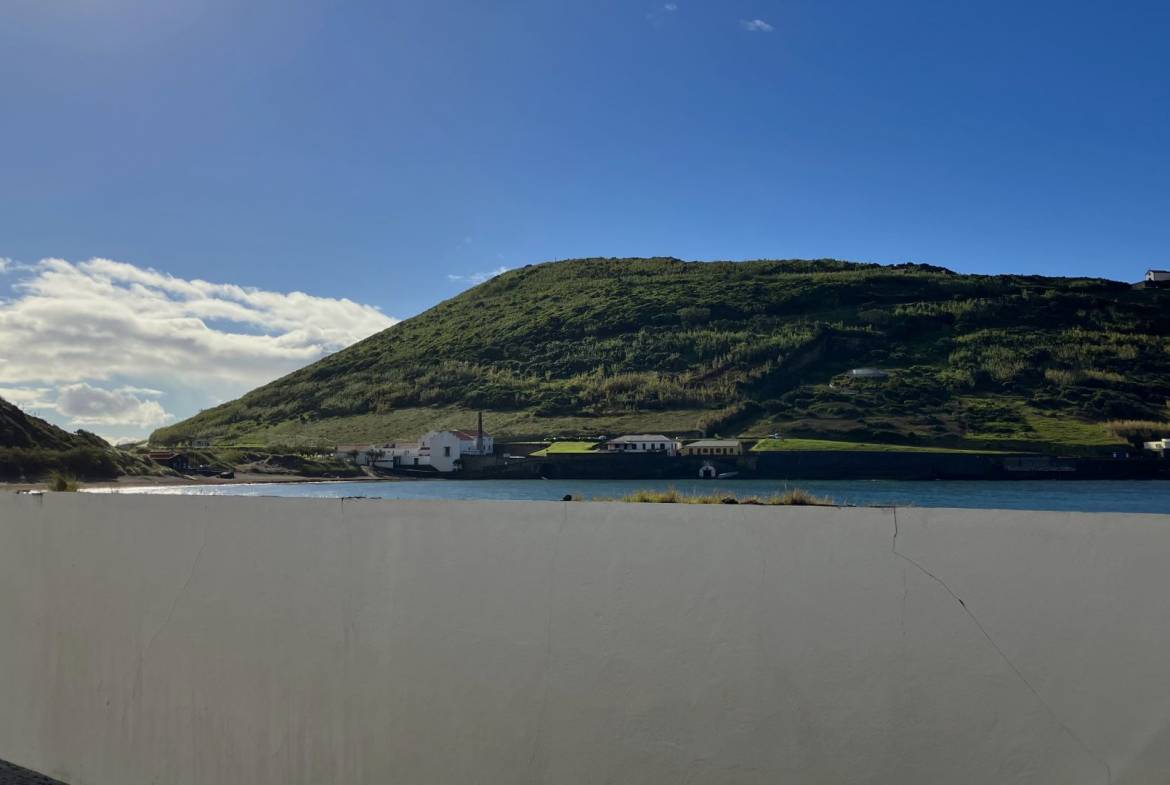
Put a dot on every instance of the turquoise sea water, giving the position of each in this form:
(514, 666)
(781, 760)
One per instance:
(1088, 496)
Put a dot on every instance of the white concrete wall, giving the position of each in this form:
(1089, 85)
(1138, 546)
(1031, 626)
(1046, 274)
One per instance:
(178, 640)
(442, 450)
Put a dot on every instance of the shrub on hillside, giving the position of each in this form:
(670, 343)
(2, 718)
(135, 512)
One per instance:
(84, 462)
(1138, 431)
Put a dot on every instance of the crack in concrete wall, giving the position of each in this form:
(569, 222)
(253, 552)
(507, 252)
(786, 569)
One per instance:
(538, 738)
(1002, 654)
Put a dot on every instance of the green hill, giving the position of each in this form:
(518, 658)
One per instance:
(31, 448)
(595, 346)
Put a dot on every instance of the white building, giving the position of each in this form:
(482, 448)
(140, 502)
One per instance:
(1161, 445)
(441, 450)
(644, 443)
(713, 447)
(1157, 276)
(444, 449)
(357, 454)
(399, 454)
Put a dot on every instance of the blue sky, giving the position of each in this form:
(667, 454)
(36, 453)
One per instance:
(388, 152)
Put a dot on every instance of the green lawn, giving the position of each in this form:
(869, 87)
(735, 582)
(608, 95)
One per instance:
(808, 445)
(567, 448)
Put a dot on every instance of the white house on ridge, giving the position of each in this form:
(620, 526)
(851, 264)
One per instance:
(644, 443)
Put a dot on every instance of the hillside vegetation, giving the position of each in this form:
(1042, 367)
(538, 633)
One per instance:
(33, 448)
(597, 346)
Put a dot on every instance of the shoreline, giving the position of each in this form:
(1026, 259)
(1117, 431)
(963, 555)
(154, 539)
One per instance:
(150, 481)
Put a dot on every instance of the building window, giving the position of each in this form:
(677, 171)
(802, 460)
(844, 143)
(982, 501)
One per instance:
(447, 451)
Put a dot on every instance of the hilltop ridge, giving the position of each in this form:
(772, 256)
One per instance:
(595, 346)
(21, 430)
(31, 447)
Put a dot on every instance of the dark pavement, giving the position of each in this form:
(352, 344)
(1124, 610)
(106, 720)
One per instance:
(11, 774)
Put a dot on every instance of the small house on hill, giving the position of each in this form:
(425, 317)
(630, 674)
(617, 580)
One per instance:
(1159, 446)
(644, 443)
(1158, 277)
(713, 447)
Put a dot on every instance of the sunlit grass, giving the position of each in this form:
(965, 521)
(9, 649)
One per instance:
(568, 448)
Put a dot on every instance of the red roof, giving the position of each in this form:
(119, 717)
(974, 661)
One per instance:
(466, 436)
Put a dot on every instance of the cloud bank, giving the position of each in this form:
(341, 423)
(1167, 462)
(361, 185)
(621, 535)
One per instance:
(756, 26)
(87, 405)
(107, 343)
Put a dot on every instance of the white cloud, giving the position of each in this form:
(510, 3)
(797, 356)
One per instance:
(659, 16)
(84, 404)
(29, 398)
(756, 26)
(119, 441)
(478, 277)
(5, 263)
(140, 334)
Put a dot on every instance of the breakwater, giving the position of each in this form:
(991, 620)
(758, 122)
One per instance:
(194, 640)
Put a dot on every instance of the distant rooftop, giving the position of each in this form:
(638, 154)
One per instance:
(643, 437)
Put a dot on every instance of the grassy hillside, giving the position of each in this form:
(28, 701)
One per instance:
(596, 346)
(32, 448)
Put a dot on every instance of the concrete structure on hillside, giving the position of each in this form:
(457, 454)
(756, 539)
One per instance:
(208, 640)
(643, 443)
(869, 373)
(708, 447)
(1158, 445)
(1158, 276)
